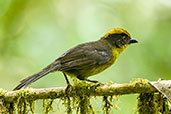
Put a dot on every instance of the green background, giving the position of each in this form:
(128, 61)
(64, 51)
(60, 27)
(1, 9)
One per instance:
(33, 33)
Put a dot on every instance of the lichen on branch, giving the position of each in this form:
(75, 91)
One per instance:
(77, 97)
(108, 89)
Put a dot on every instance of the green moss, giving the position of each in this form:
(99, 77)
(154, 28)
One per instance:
(2, 93)
(152, 103)
(47, 105)
(78, 98)
(109, 104)
(139, 82)
(23, 102)
(109, 83)
(3, 107)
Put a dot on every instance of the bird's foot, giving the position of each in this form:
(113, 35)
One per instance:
(94, 81)
(95, 86)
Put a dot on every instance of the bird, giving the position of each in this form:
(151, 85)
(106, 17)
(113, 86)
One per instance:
(87, 59)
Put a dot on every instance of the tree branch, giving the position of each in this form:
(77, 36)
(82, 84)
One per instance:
(137, 86)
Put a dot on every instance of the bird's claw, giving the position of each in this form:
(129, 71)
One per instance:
(95, 86)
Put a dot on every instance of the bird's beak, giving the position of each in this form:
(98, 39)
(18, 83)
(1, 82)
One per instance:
(133, 41)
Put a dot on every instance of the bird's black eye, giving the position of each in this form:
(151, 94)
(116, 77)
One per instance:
(124, 39)
(118, 44)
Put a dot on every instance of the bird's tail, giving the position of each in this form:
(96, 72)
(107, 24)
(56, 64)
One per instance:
(27, 81)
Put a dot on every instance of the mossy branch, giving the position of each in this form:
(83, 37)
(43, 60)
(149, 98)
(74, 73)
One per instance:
(109, 89)
(77, 98)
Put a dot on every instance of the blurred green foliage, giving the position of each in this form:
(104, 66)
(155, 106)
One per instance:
(33, 33)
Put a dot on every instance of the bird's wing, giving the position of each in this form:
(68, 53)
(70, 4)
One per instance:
(83, 56)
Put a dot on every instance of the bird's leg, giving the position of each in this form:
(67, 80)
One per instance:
(67, 81)
(94, 81)
(88, 80)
